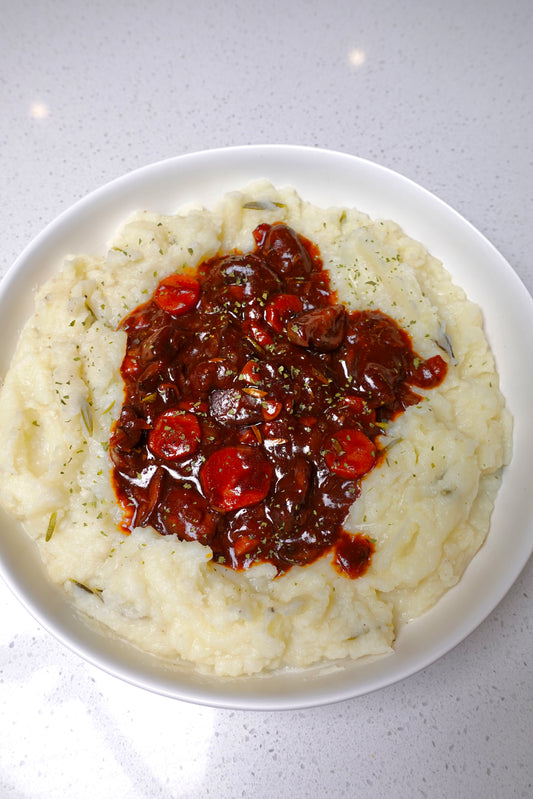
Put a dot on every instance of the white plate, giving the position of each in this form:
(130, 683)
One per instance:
(324, 178)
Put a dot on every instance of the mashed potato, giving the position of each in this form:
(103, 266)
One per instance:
(427, 506)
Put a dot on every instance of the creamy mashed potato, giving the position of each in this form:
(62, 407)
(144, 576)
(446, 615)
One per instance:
(427, 506)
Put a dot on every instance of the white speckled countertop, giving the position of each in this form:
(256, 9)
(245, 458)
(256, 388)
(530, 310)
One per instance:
(439, 91)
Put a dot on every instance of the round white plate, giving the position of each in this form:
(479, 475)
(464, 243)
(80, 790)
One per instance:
(324, 178)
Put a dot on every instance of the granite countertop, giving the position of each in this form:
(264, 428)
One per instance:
(440, 92)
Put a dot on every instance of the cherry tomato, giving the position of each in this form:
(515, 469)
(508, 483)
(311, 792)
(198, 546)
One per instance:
(357, 404)
(250, 372)
(350, 453)
(131, 364)
(280, 309)
(258, 332)
(175, 435)
(235, 477)
(271, 408)
(430, 373)
(177, 294)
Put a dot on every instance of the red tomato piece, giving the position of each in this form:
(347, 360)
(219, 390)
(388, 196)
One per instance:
(281, 309)
(175, 435)
(270, 408)
(245, 543)
(350, 453)
(250, 372)
(430, 373)
(357, 404)
(260, 233)
(259, 333)
(196, 406)
(177, 294)
(130, 365)
(235, 477)
(247, 436)
(360, 407)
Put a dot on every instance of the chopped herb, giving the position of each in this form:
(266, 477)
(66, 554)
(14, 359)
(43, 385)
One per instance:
(87, 416)
(51, 526)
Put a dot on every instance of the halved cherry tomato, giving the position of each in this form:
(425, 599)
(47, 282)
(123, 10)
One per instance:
(177, 294)
(258, 332)
(175, 435)
(194, 406)
(250, 372)
(350, 453)
(235, 477)
(280, 309)
(270, 408)
(131, 364)
(430, 373)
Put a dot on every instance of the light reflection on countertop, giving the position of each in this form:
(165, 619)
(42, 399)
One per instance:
(39, 110)
(357, 57)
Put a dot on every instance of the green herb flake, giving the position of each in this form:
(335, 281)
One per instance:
(87, 416)
(51, 526)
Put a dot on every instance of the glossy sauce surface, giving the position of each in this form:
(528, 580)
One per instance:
(253, 405)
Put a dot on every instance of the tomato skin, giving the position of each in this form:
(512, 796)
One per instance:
(130, 365)
(358, 405)
(279, 311)
(177, 294)
(430, 373)
(349, 453)
(271, 408)
(235, 477)
(259, 333)
(175, 435)
(250, 372)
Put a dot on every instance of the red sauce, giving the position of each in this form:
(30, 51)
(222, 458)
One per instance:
(353, 554)
(253, 406)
